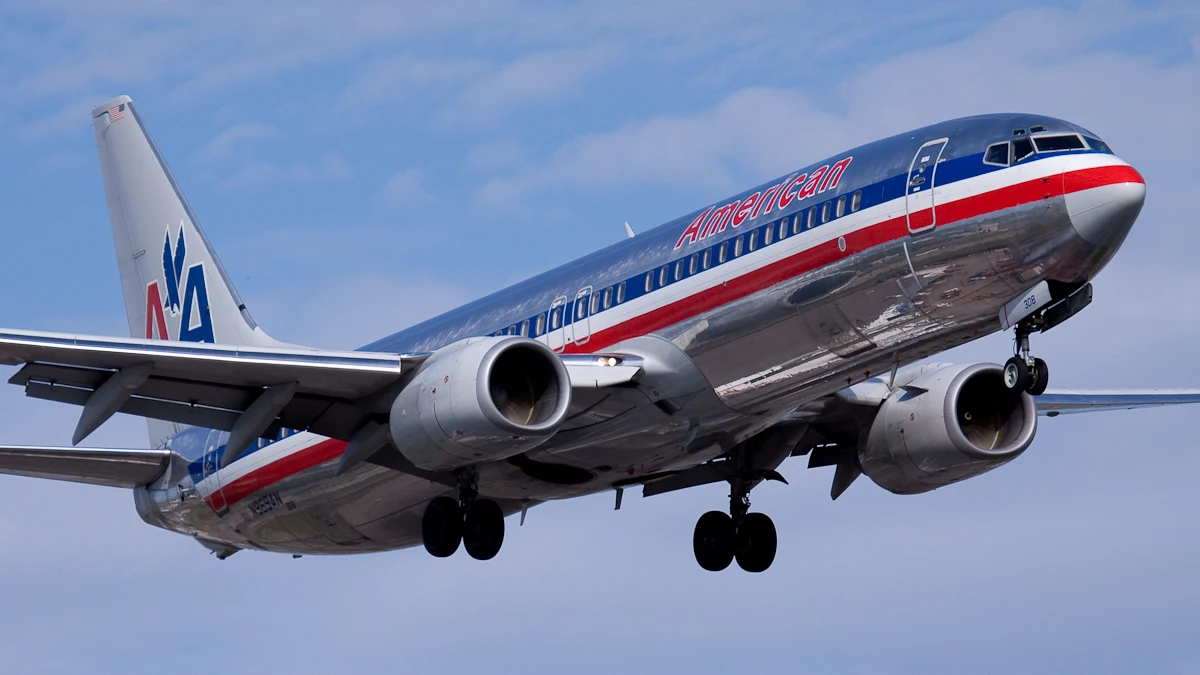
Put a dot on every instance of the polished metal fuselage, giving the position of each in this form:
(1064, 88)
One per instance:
(763, 355)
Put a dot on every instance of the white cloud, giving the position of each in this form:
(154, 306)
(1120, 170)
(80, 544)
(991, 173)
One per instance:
(233, 141)
(536, 78)
(404, 188)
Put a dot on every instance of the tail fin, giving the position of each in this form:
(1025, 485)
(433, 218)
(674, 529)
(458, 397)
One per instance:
(175, 287)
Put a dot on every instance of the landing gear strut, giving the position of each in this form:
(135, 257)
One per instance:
(748, 537)
(478, 524)
(1023, 372)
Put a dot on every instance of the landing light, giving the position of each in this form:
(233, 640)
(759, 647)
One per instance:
(607, 361)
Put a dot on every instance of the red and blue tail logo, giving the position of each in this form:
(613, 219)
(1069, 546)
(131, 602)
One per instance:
(189, 313)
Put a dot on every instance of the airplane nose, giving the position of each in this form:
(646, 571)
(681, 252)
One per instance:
(1103, 202)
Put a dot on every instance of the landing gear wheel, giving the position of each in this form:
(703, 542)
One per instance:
(714, 540)
(483, 529)
(1041, 378)
(442, 527)
(1017, 377)
(756, 542)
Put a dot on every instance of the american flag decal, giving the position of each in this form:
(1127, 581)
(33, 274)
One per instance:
(116, 112)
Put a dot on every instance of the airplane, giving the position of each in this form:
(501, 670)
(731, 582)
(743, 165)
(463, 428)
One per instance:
(790, 319)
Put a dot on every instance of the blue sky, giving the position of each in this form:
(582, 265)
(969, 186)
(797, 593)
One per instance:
(361, 166)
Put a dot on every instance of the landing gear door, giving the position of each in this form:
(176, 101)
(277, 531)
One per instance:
(922, 176)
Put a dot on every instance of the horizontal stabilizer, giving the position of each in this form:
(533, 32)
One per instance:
(98, 466)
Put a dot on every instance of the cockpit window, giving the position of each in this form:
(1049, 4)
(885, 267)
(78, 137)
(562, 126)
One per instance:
(1021, 148)
(1036, 128)
(997, 153)
(1059, 143)
(1098, 144)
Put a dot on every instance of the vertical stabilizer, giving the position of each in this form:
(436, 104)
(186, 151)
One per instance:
(174, 286)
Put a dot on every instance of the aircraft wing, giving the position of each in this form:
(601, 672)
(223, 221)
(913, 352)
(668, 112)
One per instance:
(1065, 402)
(201, 384)
(331, 393)
(98, 466)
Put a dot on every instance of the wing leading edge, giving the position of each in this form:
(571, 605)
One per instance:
(1065, 402)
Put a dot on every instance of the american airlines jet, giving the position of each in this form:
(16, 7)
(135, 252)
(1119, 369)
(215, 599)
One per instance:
(782, 321)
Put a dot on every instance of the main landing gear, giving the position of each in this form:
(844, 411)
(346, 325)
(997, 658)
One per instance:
(748, 537)
(1023, 372)
(478, 524)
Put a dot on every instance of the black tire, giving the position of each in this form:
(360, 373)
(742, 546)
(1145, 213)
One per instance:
(442, 527)
(1041, 378)
(1017, 377)
(483, 529)
(756, 542)
(713, 541)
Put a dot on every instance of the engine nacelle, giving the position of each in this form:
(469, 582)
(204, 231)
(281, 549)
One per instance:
(954, 423)
(480, 399)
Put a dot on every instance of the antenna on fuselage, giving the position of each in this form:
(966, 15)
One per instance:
(629, 230)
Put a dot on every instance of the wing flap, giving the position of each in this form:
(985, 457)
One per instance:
(98, 466)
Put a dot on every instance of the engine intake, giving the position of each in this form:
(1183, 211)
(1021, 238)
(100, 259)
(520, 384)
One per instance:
(945, 426)
(480, 399)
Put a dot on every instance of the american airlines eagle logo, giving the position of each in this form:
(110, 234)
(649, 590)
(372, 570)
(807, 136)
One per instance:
(177, 304)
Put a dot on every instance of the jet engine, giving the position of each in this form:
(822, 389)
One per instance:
(953, 423)
(480, 399)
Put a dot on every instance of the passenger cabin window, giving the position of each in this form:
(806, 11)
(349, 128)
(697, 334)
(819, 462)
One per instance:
(649, 281)
(856, 200)
(620, 292)
(997, 153)
(512, 330)
(753, 240)
(737, 246)
(768, 235)
(581, 308)
(525, 328)
(783, 224)
(797, 222)
(1097, 144)
(539, 326)
(662, 275)
(706, 260)
(1021, 148)
(595, 302)
(608, 297)
(825, 212)
(556, 318)
(723, 252)
(678, 270)
(841, 206)
(812, 217)
(693, 263)
(1058, 143)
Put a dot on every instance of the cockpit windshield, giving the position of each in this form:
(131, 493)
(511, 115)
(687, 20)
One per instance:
(1011, 152)
(1058, 143)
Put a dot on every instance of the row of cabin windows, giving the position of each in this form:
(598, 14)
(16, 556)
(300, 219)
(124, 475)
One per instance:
(697, 262)
(1008, 153)
(751, 241)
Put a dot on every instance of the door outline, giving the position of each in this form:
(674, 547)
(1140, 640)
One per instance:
(921, 181)
(211, 468)
(559, 302)
(581, 327)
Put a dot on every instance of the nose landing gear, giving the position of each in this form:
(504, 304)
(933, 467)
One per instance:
(1024, 372)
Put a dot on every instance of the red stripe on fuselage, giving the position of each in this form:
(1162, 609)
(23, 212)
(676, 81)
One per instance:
(857, 241)
(734, 289)
(288, 465)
